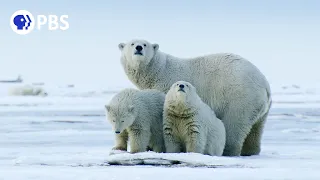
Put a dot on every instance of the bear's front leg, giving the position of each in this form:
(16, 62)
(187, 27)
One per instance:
(121, 141)
(195, 143)
(171, 143)
(139, 140)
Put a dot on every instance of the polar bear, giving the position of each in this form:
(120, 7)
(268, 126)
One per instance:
(232, 86)
(190, 125)
(27, 90)
(137, 115)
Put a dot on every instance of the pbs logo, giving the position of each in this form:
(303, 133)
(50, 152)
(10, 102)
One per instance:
(23, 22)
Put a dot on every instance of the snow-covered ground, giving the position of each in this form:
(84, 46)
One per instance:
(66, 136)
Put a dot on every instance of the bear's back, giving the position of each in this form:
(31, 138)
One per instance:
(151, 103)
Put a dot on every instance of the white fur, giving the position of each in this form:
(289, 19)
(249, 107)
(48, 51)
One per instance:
(189, 125)
(137, 115)
(27, 90)
(233, 87)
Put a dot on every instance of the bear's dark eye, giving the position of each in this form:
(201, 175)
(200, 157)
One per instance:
(177, 84)
(113, 120)
(132, 44)
(122, 121)
(144, 45)
(187, 85)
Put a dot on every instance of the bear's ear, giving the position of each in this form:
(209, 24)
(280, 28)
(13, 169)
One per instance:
(130, 108)
(107, 107)
(121, 46)
(155, 47)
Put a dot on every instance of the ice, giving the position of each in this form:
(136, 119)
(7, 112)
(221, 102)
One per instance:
(66, 136)
(152, 158)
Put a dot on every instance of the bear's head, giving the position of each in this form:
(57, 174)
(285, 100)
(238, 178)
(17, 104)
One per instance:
(182, 94)
(138, 52)
(120, 117)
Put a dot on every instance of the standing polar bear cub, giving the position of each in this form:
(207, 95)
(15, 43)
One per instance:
(189, 125)
(233, 87)
(137, 115)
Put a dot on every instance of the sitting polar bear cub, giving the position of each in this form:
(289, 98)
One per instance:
(190, 125)
(234, 88)
(137, 115)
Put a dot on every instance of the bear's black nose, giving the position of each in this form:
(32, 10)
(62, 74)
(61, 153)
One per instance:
(139, 48)
(117, 132)
(181, 86)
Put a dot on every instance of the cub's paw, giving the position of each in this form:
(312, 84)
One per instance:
(133, 151)
(114, 152)
(119, 148)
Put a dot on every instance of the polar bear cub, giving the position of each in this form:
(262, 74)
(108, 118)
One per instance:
(137, 116)
(189, 124)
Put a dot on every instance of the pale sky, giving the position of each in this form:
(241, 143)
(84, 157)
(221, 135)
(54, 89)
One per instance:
(282, 38)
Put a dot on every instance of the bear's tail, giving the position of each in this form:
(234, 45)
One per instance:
(266, 107)
(269, 99)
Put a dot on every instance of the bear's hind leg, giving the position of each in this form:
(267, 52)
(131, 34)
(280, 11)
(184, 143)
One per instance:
(234, 140)
(237, 124)
(139, 140)
(158, 146)
(252, 143)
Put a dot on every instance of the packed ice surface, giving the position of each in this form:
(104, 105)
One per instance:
(66, 136)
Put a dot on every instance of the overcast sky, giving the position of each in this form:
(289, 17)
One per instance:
(282, 38)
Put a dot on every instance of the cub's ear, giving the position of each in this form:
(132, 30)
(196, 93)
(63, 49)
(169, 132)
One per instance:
(121, 46)
(107, 107)
(131, 108)
(155, 47)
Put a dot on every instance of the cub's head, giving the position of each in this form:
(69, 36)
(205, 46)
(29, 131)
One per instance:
(182, 92)
(120, 116)
(138, 52)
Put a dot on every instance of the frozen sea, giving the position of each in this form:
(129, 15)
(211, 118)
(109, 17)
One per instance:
(66, 136)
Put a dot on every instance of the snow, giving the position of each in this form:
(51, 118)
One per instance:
(66, 136)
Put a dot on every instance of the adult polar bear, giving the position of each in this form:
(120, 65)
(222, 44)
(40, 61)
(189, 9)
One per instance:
(233, 87)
